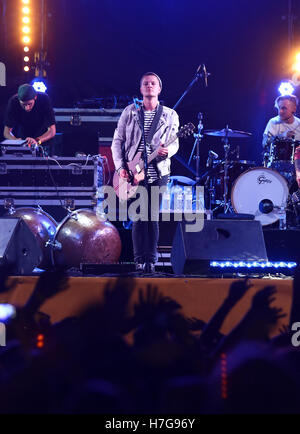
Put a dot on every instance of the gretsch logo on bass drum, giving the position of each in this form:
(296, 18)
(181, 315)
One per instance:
(263, 180)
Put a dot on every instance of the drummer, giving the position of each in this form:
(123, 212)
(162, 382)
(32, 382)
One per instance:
(285, 126)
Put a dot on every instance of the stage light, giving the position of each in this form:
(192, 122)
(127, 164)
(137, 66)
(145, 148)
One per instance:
(286, 88)
(39, 86)
(254, 264)
(25, 30)
(7, 311)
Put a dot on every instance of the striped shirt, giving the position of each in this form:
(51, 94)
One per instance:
(148, 119)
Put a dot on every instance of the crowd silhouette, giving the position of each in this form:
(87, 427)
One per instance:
(173, 364)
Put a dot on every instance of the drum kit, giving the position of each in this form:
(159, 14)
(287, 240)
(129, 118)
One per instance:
(240, 187)
(82, 237)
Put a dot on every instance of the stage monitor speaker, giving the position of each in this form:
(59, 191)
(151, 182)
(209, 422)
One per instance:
(220, 240)
(19, 248)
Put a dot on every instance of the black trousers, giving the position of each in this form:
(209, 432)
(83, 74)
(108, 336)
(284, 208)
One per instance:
(145, 234)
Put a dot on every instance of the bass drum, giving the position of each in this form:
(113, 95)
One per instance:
(260, 192)
(83, 237)
(43, 226)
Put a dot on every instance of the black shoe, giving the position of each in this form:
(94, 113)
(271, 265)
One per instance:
(139, 267)
(149, 267)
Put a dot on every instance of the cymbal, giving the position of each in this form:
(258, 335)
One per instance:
(227, 132)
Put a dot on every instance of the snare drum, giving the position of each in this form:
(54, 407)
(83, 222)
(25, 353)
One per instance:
(260, 192)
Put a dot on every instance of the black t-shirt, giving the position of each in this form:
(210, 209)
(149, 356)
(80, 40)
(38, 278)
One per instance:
(33, 123)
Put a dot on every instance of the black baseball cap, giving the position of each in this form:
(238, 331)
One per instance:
(26, 92)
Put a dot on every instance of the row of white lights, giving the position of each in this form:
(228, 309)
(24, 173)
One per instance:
(241, 264)
(26, 31)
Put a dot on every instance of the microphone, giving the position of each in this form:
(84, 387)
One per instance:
(205, 74)
(137, 102)
(213, 154)
(198, 69)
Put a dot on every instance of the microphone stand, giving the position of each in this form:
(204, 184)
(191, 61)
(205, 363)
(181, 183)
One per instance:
(201, 72)
(198, 137)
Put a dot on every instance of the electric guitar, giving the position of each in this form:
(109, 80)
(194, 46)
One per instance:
(124, 188)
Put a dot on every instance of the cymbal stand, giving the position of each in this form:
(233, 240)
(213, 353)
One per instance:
(226, 146)
(198, 137)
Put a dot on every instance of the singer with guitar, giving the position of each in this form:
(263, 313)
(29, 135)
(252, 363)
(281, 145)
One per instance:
(151, 123)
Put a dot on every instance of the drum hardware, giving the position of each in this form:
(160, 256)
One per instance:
(69, 205)
(198, 137)
(225, 134)
(53, 244)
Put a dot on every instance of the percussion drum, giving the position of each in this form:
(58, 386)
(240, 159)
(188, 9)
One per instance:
(235, 169)
(281, 157)
(83, 237)
(282, 150)
(43, 226)
(261, 192)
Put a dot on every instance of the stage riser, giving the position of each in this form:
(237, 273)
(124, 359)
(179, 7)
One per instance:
(199, 298)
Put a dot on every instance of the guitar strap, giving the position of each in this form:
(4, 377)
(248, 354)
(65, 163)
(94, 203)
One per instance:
(154, 124)
(153, 127)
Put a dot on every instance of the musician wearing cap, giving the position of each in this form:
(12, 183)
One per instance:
(159, 124)
(29, 116)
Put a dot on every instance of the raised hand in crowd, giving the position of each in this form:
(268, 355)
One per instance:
(258, 322)
(157, 316)
(50, 283)
(28, 319)
(211, 332)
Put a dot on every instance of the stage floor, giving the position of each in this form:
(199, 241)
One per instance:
(199, 297)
